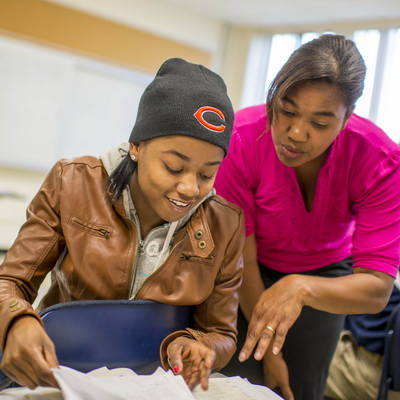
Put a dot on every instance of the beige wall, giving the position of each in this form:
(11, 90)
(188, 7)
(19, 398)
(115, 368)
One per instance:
(54, 24)
(77, 31)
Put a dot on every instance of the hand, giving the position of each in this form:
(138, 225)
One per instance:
(29, 354)
(276, 374)
(192, 359)
(275, 312)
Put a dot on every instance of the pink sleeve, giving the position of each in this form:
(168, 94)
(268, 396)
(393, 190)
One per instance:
(376, 240)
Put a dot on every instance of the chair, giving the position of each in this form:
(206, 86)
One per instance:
(390, 378)
(112, 333)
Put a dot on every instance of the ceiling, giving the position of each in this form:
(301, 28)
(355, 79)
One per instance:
(269, 13)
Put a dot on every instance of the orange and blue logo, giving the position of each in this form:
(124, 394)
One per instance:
(201, 113)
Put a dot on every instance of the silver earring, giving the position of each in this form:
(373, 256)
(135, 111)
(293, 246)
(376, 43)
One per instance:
(133, 157)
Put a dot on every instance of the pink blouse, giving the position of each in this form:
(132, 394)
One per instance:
(356, 209)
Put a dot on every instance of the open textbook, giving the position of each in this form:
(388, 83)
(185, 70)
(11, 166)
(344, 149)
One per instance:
(124, 384)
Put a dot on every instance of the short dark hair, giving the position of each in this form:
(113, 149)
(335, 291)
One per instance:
(330, 58)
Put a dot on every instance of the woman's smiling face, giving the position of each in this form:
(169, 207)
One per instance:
(306, 122)
(173, 174)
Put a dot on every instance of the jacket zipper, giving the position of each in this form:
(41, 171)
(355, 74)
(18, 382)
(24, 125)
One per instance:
(103, 232)
(146, 282)
(139, 244)
(184, 257)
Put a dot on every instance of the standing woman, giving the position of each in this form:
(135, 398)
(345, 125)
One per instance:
(140, 222)
(320, 189)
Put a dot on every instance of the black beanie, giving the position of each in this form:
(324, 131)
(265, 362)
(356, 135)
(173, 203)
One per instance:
(185, 99)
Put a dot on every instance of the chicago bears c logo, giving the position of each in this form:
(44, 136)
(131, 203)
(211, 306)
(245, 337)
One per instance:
(200, 113)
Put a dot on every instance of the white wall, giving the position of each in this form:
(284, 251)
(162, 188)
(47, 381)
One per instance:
(55, 105)
(159, 17)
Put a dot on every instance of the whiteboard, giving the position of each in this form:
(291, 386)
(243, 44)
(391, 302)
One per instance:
(55, 104)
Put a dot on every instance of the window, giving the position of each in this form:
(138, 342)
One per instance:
(368, 44)
(386, 115)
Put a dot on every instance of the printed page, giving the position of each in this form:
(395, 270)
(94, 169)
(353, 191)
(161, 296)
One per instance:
(234, 388)
(75, 385)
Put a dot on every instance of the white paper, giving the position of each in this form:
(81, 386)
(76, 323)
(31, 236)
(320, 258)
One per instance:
(123, 384)
(234, 388)
(76, 385)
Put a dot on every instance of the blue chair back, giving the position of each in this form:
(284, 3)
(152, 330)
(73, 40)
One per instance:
(112, 333)
(390, 378)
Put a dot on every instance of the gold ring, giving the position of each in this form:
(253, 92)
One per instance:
(270, 328)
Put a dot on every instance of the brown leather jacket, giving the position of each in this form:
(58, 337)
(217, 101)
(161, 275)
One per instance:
(73, 230)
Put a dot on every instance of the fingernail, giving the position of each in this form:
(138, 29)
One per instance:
(257, 355)
(275, 350)
(177, 369)
(242, 357)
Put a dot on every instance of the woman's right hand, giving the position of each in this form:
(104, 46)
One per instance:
(276, 374)
(276, 311)
(29, 354)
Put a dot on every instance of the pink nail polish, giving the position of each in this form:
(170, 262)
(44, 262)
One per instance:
(177, 369)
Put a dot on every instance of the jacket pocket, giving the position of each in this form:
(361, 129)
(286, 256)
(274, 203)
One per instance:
(196, 259)
(90, 228)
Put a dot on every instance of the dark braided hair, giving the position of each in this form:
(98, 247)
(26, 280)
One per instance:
(330, 58)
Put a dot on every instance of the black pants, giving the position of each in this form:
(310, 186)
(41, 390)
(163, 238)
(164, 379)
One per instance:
(309, 345)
